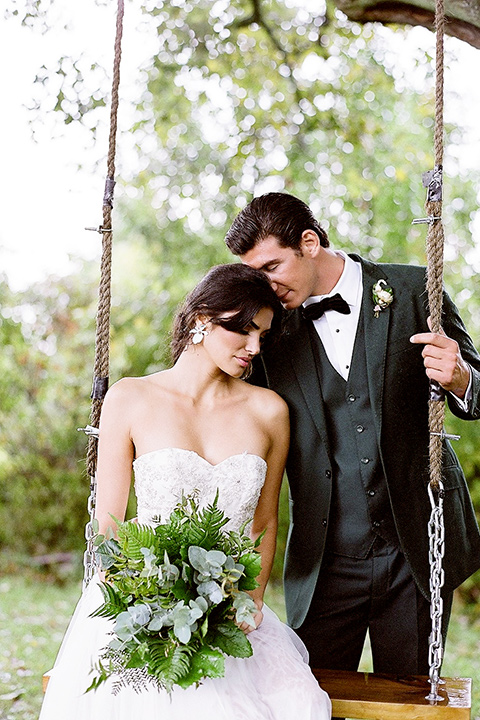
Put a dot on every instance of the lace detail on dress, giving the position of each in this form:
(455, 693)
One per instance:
(162, 476)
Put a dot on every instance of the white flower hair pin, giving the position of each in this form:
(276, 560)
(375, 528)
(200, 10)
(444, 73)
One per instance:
(382, 296)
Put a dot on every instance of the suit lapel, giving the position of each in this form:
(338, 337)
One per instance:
(302, 358)
(376, 338)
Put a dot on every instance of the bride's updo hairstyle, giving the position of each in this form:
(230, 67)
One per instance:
(225, 289)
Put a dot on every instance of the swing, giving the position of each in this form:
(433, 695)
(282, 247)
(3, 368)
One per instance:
(369, 696)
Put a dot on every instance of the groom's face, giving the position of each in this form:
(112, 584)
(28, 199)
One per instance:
(292, 273)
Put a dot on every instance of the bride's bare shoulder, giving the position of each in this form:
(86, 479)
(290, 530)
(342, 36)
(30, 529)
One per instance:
(267, 403)
(130, 389)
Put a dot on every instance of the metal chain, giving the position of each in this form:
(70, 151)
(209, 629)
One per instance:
(89, 554)
(436, 535)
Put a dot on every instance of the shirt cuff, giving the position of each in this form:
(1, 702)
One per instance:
(464, 403)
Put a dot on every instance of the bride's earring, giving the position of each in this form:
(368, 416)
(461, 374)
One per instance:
(198, 333)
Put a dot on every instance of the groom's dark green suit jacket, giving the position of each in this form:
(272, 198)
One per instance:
(398, 389)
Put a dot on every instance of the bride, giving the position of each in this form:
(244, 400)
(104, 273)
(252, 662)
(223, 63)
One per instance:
(197, 427)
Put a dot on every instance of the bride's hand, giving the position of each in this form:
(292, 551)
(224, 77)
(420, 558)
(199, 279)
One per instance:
(258, 617)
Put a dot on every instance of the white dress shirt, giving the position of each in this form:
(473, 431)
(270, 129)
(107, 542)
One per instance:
(336, 331)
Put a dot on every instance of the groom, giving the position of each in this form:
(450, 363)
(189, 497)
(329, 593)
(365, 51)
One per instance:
(354, 372)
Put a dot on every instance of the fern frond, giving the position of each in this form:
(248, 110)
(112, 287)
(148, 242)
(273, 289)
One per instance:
(170, 538)
(205, 528)
(169, 663)
(132, 537)
(113, 604)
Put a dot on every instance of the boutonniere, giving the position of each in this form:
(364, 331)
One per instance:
(382, 296)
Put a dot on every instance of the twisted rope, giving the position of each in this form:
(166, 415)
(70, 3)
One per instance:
(434, 249)
(102, 334)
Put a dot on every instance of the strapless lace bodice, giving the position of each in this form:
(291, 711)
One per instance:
(162, 476)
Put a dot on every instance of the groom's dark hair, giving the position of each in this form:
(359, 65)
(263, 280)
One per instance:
(279, 214)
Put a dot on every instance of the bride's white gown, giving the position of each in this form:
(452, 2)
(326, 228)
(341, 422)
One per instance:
(274, 684)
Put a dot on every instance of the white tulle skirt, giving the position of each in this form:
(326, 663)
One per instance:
(275, 683)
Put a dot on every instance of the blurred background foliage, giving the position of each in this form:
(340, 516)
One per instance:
(238, 98)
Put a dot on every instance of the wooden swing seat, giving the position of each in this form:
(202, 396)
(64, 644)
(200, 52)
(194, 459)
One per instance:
(375, 696)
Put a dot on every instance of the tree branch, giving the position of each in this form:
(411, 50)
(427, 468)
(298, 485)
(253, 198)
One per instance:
(257, 17)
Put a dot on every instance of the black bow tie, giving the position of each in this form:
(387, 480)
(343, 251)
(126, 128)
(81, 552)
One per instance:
(316, 310)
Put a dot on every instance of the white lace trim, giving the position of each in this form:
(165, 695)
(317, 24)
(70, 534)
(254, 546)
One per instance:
(163, 476)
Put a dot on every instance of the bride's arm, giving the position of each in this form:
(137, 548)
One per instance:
(115, 455)
(266, 514)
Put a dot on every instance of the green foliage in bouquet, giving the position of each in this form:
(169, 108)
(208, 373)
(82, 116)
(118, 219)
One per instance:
(175, 592)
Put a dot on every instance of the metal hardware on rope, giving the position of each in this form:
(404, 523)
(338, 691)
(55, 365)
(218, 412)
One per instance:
(420, 221)
(433, 180)
(99, 388)
(446, 436)
(108, 194)
(436, 392)
(89, 430)
(102, 335)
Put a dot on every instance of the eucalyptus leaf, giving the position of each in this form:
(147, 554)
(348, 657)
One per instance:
(245, 609)
(107, 553)
(211, 590)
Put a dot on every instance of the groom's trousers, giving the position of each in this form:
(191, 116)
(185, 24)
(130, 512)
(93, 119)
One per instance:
(377, 594)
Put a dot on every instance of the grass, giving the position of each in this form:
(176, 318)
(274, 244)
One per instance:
(33, 618)
(34, 615)
(462, 656)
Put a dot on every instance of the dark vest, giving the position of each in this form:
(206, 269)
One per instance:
(360, 509)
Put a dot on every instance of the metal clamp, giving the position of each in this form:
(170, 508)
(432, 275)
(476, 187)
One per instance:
(100, 387)
(108, 195)
(446, 436)
(99, 229)
(90, 430)
(437, 392)
(428, 220)
(433, 181)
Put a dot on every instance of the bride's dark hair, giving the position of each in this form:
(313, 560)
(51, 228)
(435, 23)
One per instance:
(235, 288)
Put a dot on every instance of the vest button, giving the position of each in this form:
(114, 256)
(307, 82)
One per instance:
(360, 428)
(365, 461)
(324, 522)
(328, 473)
(351, 398)
(376, 524)
(371, 493)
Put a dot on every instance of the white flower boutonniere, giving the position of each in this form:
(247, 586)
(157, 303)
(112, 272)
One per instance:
(382, 296)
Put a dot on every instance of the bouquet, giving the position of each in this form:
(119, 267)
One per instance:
(175, 592)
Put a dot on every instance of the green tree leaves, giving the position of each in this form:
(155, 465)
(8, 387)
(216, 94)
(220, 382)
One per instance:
(239, 97)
